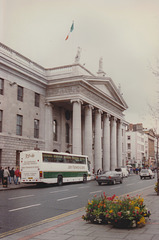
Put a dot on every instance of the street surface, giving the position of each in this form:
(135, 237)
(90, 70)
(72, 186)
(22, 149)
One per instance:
(21, 207)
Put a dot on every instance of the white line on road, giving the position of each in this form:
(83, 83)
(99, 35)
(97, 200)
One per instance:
(114, 188)
(130, 184)
(84, 187)
(95, 192)
(60, 191)
(61, 199)
(20, 197)
(16, 209)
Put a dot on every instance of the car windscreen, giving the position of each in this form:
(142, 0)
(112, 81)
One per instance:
(144, 170)
(118, 169)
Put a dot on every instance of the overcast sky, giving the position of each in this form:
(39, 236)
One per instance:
(124, 32)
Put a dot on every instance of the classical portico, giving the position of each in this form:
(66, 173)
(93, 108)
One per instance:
(107, 139)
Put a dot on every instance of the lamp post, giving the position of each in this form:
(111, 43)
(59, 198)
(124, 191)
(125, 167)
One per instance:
(157, 136)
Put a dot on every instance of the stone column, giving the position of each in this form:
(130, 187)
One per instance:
(106, 142)
(97, 141)
(48, 127)
(113, 144)
(88, 134)
(119, 143)
(76, 133)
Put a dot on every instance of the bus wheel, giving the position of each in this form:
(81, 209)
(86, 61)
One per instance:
(60, 181)
(84, 178)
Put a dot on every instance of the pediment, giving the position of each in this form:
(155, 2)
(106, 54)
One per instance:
(108, 88)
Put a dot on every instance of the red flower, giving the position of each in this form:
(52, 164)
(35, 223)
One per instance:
(119, 214)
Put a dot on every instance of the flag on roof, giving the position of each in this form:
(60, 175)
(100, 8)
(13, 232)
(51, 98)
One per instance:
(71, 29)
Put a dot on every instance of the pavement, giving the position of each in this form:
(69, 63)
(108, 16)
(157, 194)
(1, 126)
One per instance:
(70, 226)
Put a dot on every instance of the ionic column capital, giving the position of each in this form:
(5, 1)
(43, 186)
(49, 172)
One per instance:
(88, 106)
(107, 115)
(113, 119)
(98, 111)
(76, 100)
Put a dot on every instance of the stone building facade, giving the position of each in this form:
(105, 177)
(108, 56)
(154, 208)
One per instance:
(65, 109)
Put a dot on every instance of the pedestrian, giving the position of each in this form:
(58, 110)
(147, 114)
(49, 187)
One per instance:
(9, 177)
(12, 175)
(5, 177)
(17, 174)
(1, 175)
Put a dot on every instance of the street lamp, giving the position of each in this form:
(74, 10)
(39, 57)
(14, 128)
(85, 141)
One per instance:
(157, 161)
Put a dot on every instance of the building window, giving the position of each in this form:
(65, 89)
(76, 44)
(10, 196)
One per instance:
(129, 146)
(55, 130)
(36, 128)
(1, 86)
(20, 94)
(67, 133)
(19, 125)
(1, 116)
(129, 156)
(129, 137)
(37, 100)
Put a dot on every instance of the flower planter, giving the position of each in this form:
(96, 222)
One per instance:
(125, 212)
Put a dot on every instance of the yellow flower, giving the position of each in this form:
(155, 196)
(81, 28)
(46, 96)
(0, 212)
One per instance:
(137, 208)
(111, 211)
(142, 221)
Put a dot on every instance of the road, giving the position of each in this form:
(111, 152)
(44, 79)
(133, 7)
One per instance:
(22, 207)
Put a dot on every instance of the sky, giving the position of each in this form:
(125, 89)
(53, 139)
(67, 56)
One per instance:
(125, 33)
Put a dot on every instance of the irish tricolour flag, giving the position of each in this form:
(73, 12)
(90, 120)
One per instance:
(71, 29)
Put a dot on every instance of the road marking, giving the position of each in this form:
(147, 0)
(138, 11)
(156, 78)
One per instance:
(60, 191)
(95, 192)
(84, 187)
(20, 197)
(114, 188)
(17, 209)
(61, 199)
(129, 184)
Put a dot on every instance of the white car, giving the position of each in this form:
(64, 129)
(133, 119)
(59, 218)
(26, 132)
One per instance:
(124, 172)
(146, 173)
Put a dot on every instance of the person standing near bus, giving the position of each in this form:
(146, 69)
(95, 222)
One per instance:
(17, 174)
(6, 174)
(1, 175)
(12, 175)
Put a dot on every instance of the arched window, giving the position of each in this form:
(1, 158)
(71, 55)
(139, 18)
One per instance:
(55, 130)
(67, 133)
(55, 150)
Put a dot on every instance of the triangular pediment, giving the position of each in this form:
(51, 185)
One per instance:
(106, 86)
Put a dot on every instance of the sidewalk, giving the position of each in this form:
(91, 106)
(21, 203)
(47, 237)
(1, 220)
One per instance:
(70, 226)
(14, 186)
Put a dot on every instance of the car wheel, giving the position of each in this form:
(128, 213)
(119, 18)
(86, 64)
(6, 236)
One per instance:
(121, 180)
(60, 181)
(141, 178)
(99, 183)
(114, 182)
(150, 177)
(84, 178)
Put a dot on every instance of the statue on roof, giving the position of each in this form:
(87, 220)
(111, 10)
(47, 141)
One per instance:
(78, 55)
(100, 65)
(100, 70)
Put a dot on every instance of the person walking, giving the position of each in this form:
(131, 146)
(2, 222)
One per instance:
(1, 175)
(6, 174)
(12, 175)
(17, 174)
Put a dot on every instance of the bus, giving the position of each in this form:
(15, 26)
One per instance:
(53, 167)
